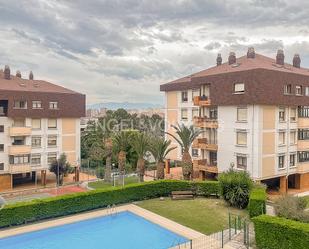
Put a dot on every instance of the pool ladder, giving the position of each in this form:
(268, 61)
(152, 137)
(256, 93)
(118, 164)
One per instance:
(112, 210)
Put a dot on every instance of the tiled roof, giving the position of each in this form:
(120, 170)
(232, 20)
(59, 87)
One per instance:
(20, 84)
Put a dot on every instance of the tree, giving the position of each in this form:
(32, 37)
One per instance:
(60, 167)
(159, 148)
(108, 155)
(185, 137)
(121, 142)
(140, 143)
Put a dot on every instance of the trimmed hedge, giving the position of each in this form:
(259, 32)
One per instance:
(257, 202)
(280, 233)
(35, 210)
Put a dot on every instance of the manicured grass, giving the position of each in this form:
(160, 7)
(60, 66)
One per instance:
(202, 214)
(307, 199)
(104, 185)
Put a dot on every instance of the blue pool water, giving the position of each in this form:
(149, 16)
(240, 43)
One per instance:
(124, 230)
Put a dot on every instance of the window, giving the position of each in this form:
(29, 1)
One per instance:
(293, 138)
(303, 134)
(36, 159)
(194, 152)
(20, 104)
(241, 114)
(213, 113)
(303, 111)
(241, 162)
(184, 114)
(239, 88)
(53, 105)
(195, 93)
(20, 159)
(36, 123)
(184, 96)
(51, 157)
(1, 166)
(281, 137)
(195, 112)
(281, 114)
(281, 162)
(292, 160)
(288, 89)
(19, 123)
(36, 142)
(298, 90)
(303, 156)
(307, 91)
(52, 141)
(52, 123)
(36, 104)
(1, 147)
(19, 140)
(293, 115)
(1, 128)
(2, 113)
(241, 138)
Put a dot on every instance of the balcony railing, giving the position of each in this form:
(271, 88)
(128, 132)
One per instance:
(201, 101)
(20, 131)
(19, 150)
(204, 122)
(205, 144)
(20, 168)
(203, 165)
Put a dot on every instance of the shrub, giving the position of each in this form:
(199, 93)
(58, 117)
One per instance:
(235, 187)
(24, 212)
(257, 201)
(292, 207)
(280, 233)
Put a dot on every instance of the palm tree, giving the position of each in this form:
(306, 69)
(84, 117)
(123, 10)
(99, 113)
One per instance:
(159, 148)
(140, 144)
(185, 137)
(108, 154)
(121, 141)
(60, 167)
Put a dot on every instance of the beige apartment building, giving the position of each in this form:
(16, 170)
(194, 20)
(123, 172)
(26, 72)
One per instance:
(38, 122)
(254, 113)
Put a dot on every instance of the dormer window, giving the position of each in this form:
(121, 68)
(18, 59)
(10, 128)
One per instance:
(20, 104)
(53, 105)
(298, 90)
(239, 88)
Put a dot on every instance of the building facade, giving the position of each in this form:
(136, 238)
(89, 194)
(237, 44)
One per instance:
(254, 114)
(38, 122)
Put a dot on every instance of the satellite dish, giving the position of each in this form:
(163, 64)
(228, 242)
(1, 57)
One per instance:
(2, 202)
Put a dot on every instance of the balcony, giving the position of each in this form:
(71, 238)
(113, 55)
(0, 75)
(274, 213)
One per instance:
(20, 131)
(204, 144)
(203, 165)
(201, 101)
(20, 168)
(204, 122)
(19, 150)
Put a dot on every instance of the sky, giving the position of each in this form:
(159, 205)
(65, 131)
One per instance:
(122, 50)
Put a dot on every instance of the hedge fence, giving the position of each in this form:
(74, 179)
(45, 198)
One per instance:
(280, 233)
(24, 212)
(257, 201)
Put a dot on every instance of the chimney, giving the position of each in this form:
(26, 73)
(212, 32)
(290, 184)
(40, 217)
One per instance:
(251, 53)
(280, 57)
(232, 58)
(7, 72)
(219, 60)
(296, 61)
(18, 74)
(30, 75)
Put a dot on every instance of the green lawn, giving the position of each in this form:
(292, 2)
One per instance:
(307, 199)
(104, 185)
(204, 215)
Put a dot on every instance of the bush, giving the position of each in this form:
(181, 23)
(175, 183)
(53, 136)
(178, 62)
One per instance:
(280, 233)
(24, 212)
(257, 201)
(235, 187)
(292, 207)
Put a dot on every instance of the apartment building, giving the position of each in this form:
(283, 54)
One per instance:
(38, 122)
(254, 114)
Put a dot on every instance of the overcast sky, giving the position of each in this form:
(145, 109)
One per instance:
(122, 50)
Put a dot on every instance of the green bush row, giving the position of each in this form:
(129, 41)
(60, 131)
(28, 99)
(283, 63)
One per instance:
(257, 201)
(24, 212)
(280, 233)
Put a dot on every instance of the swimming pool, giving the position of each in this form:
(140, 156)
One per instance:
(124, 230)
